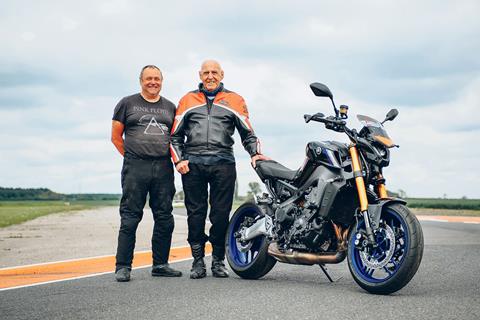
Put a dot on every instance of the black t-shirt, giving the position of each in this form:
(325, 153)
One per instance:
(147, 126)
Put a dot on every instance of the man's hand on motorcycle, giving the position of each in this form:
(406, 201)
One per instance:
(182, 167)
(257, 157)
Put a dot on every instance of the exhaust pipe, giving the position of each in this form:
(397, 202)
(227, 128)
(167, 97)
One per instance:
(297, 257)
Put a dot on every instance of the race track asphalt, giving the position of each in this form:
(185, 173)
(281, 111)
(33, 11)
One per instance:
(447, 286)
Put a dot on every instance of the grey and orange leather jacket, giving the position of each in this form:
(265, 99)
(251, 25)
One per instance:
(208, 126)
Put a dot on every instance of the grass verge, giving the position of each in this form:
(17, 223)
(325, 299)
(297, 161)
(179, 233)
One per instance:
(449, 204)
(445, 212)
(14, 212)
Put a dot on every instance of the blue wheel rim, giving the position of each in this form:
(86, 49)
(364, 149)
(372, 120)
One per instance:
(239, 258)
(373, 275)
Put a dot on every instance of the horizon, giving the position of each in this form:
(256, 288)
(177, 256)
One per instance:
(241, 195)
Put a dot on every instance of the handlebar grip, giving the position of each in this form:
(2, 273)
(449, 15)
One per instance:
(316, 117)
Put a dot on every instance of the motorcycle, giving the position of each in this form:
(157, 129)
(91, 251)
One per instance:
(335, 206)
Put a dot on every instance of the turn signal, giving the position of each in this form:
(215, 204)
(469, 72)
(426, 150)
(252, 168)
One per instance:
(387, 142)
(343, 111)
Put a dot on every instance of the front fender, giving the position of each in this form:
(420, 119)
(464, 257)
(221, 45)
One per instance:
(375, 210)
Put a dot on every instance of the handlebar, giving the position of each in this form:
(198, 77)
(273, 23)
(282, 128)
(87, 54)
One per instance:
(337, 125)
(320, 117)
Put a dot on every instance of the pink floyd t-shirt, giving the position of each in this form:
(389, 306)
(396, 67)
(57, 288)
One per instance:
(147, 126)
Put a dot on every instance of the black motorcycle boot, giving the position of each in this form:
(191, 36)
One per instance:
(164, 270)
(198, 270)
(122, 274)
(218, 267)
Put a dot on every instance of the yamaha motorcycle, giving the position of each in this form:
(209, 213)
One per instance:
(334, 207)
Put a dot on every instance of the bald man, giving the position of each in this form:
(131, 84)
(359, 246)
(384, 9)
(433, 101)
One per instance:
(201, 147)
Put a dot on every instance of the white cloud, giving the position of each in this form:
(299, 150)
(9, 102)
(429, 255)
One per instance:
(113, 7)
(69, 24)
(67, 66)
(28, 36)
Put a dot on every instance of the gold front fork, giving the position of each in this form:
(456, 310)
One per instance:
(362, 192)
(381, 190)
(357, 173)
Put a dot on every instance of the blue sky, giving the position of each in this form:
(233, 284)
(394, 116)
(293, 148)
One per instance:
(64, 65)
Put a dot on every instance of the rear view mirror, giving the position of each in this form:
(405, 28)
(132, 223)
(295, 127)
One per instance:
(321, 90)
(392, 114)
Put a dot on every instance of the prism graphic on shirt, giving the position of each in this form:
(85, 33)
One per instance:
(152, 126)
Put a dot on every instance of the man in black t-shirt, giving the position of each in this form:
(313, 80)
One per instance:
(145, 119)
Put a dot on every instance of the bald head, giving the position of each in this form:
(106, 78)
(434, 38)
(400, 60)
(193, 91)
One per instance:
(210, 63)
(211, 74)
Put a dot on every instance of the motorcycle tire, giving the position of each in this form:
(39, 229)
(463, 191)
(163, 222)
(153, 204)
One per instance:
(248, 260)
(390, 266)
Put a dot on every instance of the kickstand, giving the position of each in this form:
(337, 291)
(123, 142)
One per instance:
(324, 269)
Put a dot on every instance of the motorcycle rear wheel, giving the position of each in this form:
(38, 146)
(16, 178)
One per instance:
(392, 265)
(249, 260)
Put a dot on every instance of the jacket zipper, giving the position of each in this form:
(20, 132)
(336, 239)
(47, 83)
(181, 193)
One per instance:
(209, 107)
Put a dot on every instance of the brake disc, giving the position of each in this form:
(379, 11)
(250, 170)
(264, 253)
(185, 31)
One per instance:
(373, 263)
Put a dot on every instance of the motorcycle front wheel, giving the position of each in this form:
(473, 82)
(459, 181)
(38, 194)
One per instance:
(393, 263)
(248, 259)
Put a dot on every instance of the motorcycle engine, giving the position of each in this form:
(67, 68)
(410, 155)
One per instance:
(299, 227)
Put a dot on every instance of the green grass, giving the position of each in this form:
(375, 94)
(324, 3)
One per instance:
(452, 204)
(445, 212)
(13, 212)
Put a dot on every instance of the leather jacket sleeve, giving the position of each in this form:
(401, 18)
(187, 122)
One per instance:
(249, 139)
(177, 135)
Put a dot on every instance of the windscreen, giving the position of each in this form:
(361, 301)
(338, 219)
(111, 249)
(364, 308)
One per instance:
(376, 129)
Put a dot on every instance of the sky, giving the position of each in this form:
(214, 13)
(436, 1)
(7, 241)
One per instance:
(64, 65)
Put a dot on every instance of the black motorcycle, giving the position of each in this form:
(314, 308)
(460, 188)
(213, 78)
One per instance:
(334, 207)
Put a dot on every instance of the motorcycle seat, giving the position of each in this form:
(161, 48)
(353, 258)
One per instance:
(271, 169)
